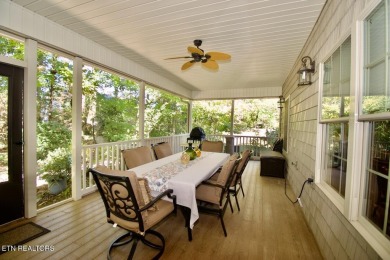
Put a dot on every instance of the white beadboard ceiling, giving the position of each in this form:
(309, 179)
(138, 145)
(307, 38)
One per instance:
(264, 37)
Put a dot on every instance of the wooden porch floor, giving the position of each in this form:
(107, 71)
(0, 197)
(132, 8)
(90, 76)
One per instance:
(268, 226)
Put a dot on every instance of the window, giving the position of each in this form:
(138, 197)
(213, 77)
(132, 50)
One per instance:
(377, 176)
(336, 83)
(334, 117)
(335, 159)
(376, 96)
(375, 113)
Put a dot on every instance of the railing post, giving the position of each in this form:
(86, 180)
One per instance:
(229, 148)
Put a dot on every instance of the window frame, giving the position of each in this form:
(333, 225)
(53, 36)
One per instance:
(286, 123)
(359, 139)
(340, 202)
(362, 64)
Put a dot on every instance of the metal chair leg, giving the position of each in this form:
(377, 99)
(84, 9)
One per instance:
(223, 225)
(132, 251)
(242, 189)
(238, 205)
(230, 203)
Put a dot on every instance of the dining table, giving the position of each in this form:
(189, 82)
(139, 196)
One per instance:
(183, 178)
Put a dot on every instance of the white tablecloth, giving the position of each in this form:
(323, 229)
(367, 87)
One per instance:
(169, 173)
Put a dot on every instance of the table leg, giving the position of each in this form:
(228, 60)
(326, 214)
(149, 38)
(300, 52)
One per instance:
(187, 216)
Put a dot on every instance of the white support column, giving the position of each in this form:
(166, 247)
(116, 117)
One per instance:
(30, 129)
(76, 127)
(232, 118)
(189, 116)
(142, 112)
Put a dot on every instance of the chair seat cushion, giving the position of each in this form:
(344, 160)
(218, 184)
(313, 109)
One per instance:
(153, 217)
(208, 193)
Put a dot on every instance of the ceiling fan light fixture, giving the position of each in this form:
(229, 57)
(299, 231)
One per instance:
(197, 43)
(198, 55)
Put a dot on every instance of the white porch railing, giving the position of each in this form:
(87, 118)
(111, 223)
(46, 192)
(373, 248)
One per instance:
(241, 142)
(109, 154)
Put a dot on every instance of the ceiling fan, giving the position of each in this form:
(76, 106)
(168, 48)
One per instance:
(197, 55)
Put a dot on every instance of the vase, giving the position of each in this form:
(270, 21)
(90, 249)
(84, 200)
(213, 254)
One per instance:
(190, 151)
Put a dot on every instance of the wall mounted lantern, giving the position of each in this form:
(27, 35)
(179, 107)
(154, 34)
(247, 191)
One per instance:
(281, 102)
(305, 72)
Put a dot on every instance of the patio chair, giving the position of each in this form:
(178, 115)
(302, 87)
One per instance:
(236, 184)
(129, 205)
(212, 146)
(137, 156)
(212, 196)
(162, 150)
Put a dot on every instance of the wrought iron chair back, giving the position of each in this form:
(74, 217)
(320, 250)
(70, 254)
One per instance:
(118, 197)
(127, 207)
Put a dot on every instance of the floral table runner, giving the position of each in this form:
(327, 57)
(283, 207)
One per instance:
(158, 177)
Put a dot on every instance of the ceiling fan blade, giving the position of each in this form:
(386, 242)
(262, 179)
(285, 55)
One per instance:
(185, 57)
(211, 64)
(195, 50)
(187, 65)
(218, 55)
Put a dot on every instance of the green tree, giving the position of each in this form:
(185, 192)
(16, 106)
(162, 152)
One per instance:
(249, 113)
(54, 101)
(165, 114)
(213, 116)
(11, 48)
(110, 107)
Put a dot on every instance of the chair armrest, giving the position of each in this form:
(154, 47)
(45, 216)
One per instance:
(212, 183)
(160, 196)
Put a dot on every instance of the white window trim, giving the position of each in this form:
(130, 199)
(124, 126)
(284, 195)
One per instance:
(288, 101)
(355, 183)
(56, 51)
(12, 61)
(339, 202)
